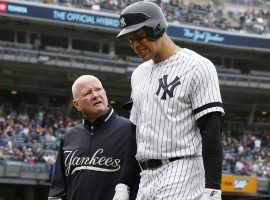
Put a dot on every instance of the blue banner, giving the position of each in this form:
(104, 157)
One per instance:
(111, 22)
(61, 15)
(211, 37)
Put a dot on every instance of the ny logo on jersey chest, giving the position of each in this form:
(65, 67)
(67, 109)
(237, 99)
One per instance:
(163, 84)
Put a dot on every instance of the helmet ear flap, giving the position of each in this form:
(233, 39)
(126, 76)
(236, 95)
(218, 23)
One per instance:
(154, 33)
(157, 29)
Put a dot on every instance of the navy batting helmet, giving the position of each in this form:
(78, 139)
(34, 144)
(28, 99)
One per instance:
(145, 15)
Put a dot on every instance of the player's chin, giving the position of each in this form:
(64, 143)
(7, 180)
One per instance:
(145, 58)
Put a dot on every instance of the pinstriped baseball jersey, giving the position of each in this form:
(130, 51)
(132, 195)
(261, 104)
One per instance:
(168, 98)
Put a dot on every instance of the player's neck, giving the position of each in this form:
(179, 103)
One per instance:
(167, 49)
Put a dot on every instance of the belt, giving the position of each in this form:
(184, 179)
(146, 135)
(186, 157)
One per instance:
(154, 164)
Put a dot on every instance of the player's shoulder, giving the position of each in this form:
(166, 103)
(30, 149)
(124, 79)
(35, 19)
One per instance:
(142, 68)
(198, 60)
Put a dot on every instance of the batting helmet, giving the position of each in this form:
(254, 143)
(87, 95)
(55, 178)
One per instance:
(145, 15)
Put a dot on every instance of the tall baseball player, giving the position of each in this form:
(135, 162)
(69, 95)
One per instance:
(176, 115)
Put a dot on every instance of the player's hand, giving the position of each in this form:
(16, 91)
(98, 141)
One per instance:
(211, 194)
(121, 192)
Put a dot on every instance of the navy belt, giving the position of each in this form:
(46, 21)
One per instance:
(154, 164)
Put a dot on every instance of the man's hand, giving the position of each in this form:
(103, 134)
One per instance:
(121, 192)
(211, 194)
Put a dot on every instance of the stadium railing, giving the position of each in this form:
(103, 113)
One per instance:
(104, 63)
(21, 170)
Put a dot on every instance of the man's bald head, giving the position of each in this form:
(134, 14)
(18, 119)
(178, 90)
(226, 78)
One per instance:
(79, 81)
(89, 97)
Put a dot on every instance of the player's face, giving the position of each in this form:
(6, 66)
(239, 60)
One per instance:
(92, 100)
(143, 46)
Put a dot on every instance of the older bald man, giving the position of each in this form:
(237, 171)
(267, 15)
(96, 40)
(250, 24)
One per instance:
(91, 153)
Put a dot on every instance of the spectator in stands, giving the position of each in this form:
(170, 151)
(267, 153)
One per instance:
(199, 14)
(90, 154)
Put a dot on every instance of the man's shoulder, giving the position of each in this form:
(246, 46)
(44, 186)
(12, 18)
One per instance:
(122, 120)
(75, 129)
(77, 126)
(143, 66)
(198, 58)
(121, 124)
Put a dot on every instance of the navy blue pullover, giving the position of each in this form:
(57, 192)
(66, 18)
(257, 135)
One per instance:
(89, 159)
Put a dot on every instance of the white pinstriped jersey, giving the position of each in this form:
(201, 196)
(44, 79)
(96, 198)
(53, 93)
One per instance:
(168, 98)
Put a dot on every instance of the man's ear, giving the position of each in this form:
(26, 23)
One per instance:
(76, 105)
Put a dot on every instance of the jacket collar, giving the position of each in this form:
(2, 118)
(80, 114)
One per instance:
(103, 119)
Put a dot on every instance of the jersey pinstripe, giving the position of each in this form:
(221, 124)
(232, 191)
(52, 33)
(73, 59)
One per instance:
(168, 97)
(178, 180)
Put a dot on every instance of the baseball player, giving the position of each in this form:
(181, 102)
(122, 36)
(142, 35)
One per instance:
(176, 115)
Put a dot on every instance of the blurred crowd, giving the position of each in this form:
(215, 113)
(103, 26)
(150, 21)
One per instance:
(31, 135)
(265, 3)
(246, 153)
(211, 14)
(251, 20)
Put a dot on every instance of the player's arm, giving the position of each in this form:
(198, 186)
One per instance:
(58, 189)
(212, 151)
(129, 177)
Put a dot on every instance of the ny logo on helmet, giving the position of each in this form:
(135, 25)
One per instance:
(123, 23)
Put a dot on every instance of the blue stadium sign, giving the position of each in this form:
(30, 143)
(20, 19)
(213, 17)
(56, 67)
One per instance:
(222, 38)
(111, 22)
(57, 14)
(205, 36)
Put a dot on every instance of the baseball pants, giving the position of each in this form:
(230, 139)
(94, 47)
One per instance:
(179, 180)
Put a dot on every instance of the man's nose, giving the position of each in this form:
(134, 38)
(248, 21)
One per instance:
(94, 94)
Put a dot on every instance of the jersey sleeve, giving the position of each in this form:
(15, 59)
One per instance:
(133, 114)
(134, 110)
(58, 189)
(205, 92)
